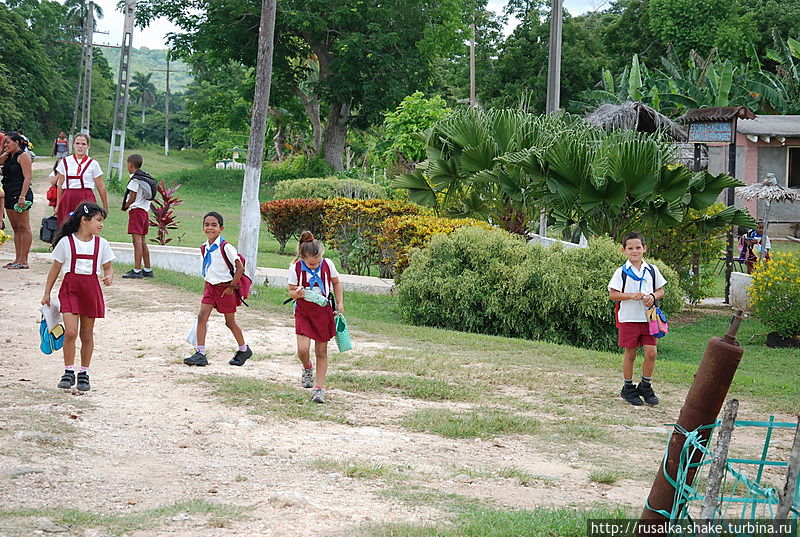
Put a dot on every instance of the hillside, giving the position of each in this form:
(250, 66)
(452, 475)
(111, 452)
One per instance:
(146, 60)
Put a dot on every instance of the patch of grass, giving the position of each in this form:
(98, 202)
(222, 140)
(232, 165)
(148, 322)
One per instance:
(525, 478)
(583, 431)
(604, 476)
(476, 423)
(263, 452)
(117, 524)
(409, 386)
(416, 495)
(357, 469)
(501, 523)
(267, 397)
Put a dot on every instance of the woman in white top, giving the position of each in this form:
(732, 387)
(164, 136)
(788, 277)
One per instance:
(78, 175)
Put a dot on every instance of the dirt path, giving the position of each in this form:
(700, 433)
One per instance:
(151, 434)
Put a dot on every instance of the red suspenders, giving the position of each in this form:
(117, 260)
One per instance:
(79, 172)
(75, 255)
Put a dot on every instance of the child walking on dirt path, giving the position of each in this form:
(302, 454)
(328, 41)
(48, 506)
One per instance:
(222, 271)
(137, 202)
(313, 277)
(636, 286)
(81, 252)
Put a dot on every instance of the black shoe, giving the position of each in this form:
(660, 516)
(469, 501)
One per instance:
(83, 382)
(631, 394)
(645, 389)
(197, 358)
(133, 275)
(147, 273)
(67, 380)
(241, 357)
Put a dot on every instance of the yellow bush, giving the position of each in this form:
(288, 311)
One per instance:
(775, 293)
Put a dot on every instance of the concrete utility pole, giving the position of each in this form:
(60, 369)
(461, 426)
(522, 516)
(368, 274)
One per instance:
(251, 215)
(553, 75)
(86, 110)
(473, 99)
(116, 153)
(166, 113)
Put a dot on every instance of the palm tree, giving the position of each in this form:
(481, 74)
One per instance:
(145, 90)
(76, 10)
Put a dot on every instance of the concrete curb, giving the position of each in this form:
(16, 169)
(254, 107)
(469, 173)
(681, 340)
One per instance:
(187, 261)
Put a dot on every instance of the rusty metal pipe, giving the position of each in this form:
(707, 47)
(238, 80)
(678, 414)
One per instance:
(703, 403)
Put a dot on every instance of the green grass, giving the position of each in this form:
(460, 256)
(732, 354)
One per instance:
(118, 524)
(525, 479)
(358, 469)
(603, 476)
(479, 522)
(428, 389)
(268, 397)
(475, 423)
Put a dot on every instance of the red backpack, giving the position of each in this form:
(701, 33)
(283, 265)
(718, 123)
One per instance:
(245, 283)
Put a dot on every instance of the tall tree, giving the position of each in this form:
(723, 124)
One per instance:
(145, 90)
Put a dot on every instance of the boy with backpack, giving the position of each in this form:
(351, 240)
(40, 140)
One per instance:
(635, 287)
(140, 192)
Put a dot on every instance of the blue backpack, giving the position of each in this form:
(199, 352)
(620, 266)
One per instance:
(51, 341)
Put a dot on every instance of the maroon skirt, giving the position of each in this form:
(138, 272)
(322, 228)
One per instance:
(80, 294)
(70, 199)
(314, 321)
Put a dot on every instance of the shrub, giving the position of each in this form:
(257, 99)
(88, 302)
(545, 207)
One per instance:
(327, 188)
(399, 234)
(295, 167)
(228, 181)
(288, 218)
(353, 227)
(775, 293)
(163, 210)
(494, 283)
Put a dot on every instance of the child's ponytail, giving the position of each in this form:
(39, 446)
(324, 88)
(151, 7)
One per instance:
(73, 223)
(309, 247)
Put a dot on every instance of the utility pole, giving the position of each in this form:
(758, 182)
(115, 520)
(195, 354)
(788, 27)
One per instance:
(251, 217)
(86, 110)
(116, 153)
(473, 99)
(553, 75)
(166, 113)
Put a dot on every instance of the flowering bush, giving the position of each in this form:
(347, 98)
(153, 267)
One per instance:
(288, 218)
(353, 226)
(399, 234)
(163, 210)
(775, 293)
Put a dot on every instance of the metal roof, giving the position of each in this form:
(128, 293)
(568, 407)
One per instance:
(787, 126)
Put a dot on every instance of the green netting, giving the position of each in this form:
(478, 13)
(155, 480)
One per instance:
(745, 494)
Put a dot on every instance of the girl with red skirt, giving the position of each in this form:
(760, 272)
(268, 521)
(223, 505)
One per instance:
(77, 175)
(80, 251)
(312, 273)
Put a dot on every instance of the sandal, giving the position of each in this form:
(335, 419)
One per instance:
(7, 265)
(17, 266)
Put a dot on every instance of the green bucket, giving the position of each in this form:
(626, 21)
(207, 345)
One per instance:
(342, 334)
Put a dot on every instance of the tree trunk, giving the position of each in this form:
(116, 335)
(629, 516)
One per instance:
(311, 107)
(251, 217)
(142, 114)
(335, 134)
(279, 142)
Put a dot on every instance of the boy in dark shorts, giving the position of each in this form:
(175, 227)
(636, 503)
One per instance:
(636, 286)
(137, 204)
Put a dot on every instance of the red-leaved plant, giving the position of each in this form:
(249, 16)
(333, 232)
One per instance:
(163, 217)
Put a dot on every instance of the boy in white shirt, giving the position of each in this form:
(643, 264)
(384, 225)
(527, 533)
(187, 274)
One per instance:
(138, 206)
(636, 286)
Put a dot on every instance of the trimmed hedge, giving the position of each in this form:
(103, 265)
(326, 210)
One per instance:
(491, 282)
(399, 234)
(288, 218)
(327, 188)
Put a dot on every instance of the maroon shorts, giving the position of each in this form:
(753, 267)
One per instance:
(633, 335)
(212, 294)
(138, 222)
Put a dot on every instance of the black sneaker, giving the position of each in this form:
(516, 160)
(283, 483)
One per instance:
(241, 357)
(197, 358)
(133, 275)
(631, 394)
(147, 273)
(67, 380)
(83, 382)
(645, 389)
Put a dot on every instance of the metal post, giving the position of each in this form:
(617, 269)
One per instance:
(730, 202)
(166, 113)
(87, 70)
(717, 470)
(473, 99)
(117, 150)
(554, 67)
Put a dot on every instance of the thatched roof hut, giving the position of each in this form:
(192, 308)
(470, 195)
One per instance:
(635, 116)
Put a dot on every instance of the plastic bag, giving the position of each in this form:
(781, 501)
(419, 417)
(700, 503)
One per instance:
(342, 334)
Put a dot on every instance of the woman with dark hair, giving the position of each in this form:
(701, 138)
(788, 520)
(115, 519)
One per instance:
(78, 175)
(17, 166)
(61, 146)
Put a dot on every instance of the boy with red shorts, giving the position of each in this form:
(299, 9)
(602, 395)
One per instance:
(137, 204)
(636, 286)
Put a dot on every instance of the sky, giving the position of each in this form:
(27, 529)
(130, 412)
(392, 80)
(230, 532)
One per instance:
(153, 36)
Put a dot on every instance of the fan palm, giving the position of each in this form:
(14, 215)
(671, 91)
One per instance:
(145, 91)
